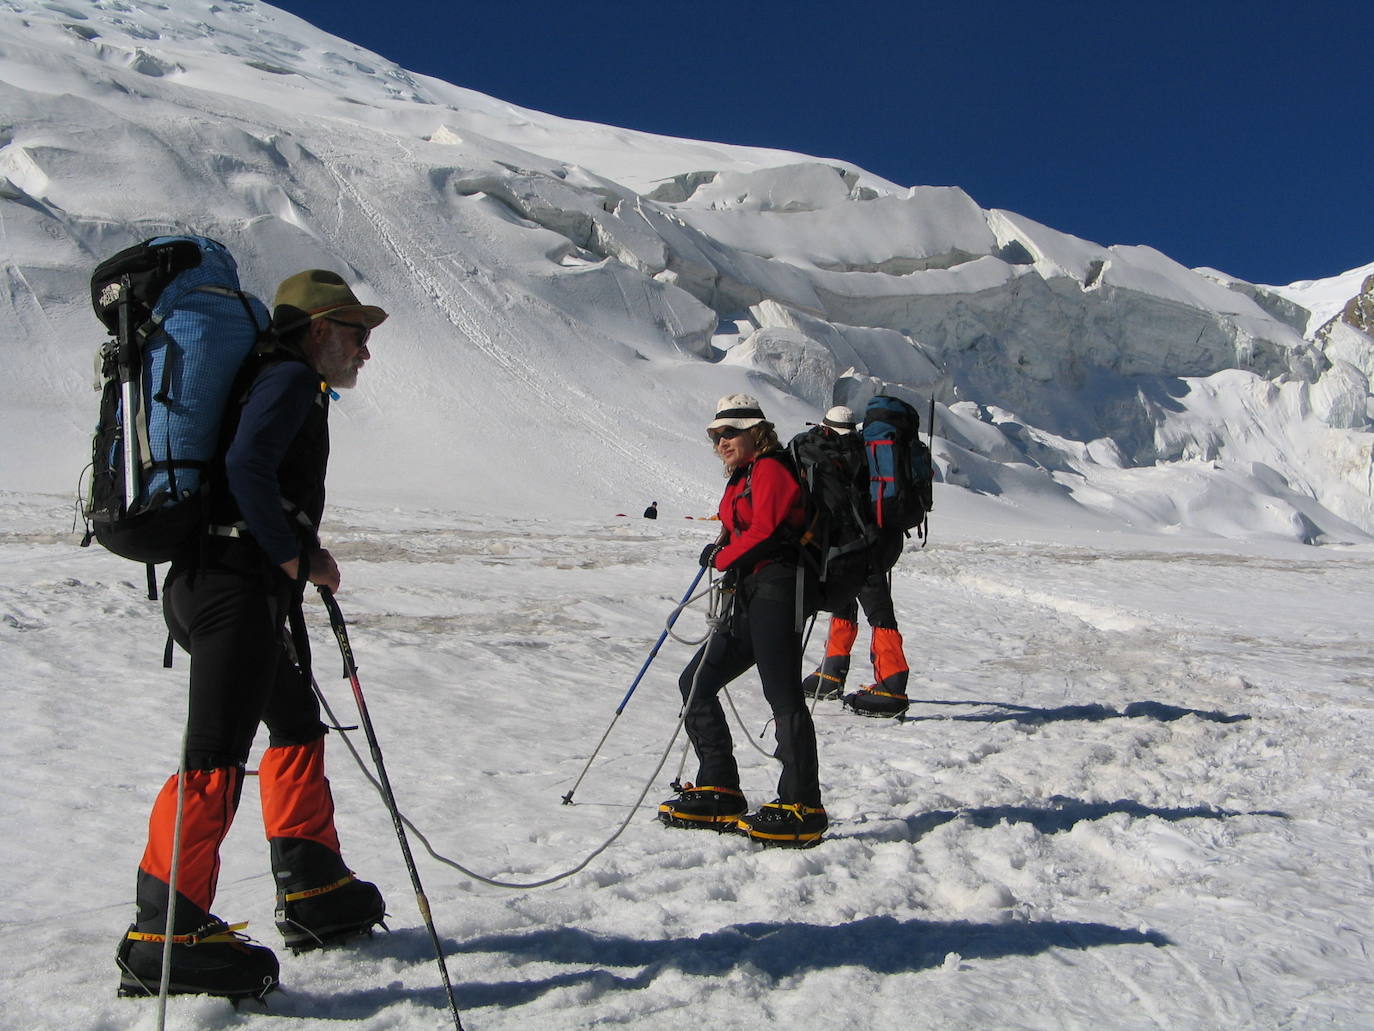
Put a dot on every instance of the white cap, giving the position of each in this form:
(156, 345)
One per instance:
(840, 419)
(738, 410)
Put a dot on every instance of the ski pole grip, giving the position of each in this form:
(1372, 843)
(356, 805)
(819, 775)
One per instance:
(331, 606)
(337, 624)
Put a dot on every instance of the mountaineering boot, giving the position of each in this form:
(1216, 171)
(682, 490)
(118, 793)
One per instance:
(828, 681)
(209, 957)
(319, 900)
(214, 959)
(871, 701)
(787, 824)
(710, 808)
(886, 697)
(329, 914)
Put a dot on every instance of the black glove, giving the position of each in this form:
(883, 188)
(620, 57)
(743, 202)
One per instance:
(708, 553)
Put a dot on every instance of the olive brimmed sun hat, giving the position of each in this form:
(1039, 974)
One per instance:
(315, 293)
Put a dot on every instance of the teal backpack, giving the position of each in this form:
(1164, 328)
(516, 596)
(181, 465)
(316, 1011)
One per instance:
(900, 470)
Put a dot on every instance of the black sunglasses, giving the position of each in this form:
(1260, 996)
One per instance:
(363, 331)
(724, 433)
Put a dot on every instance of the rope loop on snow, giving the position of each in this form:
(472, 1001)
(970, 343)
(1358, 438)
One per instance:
(718, 610)
(495, 882)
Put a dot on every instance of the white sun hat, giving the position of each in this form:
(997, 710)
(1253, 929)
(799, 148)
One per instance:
(738, 410)
(840, 419)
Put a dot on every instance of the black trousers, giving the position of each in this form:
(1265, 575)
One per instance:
(876, 594)
(762, 632)
(231, 622)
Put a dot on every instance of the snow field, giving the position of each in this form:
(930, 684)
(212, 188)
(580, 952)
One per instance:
(555, 288)
(1133, 792)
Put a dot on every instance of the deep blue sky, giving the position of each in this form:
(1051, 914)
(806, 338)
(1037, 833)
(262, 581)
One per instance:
(1224, 133)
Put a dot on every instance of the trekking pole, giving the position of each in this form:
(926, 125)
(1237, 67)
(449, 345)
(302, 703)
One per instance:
(336, 623)
(930, 433)
(165, 981)
(127, 362)
(567, 799)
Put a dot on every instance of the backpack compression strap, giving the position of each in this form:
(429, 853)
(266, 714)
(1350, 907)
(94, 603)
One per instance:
(874, 465)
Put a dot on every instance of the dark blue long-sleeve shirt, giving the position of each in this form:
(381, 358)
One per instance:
(273, 415)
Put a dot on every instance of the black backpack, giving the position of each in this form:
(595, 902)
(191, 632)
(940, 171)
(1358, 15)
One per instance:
(181, 330)
(839, 535)
(900, 469)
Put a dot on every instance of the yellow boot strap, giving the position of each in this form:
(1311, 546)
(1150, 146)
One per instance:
(796, 808)
(310, 893)
(229, 934)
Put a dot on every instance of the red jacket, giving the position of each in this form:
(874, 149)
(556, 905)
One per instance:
(761, 501)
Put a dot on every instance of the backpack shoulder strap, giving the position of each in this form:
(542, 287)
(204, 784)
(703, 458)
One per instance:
(784, 457)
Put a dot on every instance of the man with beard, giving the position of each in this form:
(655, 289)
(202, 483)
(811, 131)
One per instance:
(227, 600)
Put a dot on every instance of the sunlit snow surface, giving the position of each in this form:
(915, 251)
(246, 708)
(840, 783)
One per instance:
(568, 299)
(1135, 788)
(1134, 791)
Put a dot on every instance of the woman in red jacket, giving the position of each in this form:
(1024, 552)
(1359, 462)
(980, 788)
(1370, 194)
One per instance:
(762, 513)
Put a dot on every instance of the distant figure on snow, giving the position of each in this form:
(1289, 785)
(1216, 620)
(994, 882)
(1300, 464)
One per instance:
(761, 513)
(652, 511)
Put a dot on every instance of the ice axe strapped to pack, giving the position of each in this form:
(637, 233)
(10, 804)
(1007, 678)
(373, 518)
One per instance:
(180, 330)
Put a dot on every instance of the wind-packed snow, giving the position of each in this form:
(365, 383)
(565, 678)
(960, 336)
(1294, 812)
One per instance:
(1135, 791)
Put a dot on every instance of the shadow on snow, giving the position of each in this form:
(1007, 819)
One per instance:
(1061, 814)
(1091, 712)
(882, 944)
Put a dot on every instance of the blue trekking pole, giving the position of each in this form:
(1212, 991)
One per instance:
(567, 799)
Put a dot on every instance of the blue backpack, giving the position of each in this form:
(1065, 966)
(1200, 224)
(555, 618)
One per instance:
(900, 471)
(180, 331)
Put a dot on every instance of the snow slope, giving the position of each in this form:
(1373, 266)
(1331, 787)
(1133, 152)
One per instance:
(565, 294)
(1135, 790)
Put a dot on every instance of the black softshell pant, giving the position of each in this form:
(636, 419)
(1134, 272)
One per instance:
(876, 593)
(762, 631)
(231, 622)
